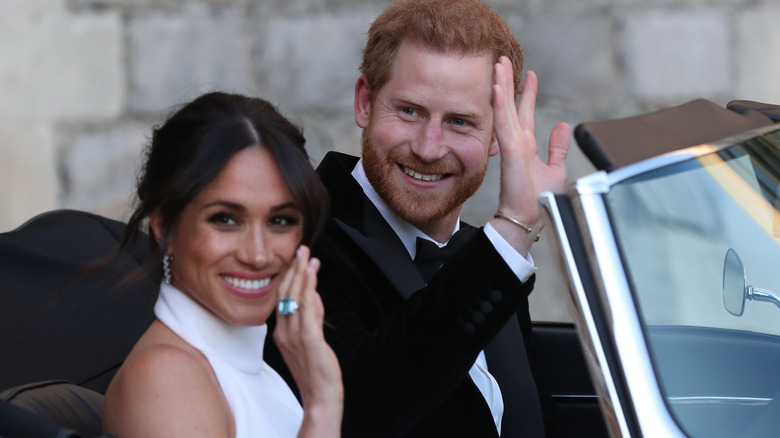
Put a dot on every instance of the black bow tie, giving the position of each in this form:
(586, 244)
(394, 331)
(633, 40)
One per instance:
(430, 257)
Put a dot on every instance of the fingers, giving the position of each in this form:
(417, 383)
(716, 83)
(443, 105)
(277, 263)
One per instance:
(560, 140)
(514, 126)
(505, 117)
(503, 86)
(525, 110)
(311, 315)
(293, 281)
(300, 284)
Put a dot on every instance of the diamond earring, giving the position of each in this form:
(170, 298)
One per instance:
(167, 261)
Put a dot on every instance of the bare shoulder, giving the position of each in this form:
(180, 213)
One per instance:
(166, 388)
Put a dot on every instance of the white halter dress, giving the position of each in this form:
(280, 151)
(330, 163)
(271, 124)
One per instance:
(263, 405)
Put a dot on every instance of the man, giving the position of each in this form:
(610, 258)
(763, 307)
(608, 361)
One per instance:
(447, 358)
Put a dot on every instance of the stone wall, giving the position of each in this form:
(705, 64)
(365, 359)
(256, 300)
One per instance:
(83, 81)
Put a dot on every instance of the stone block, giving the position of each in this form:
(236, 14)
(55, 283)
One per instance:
(174, 57)
(329, 132)
(100, 168)
(672, 55)
(28, 172)
(757, 63)
(312, 61)
(573, 56)
(58, 65)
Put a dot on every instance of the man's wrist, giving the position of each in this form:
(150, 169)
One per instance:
(528, 229)
(521, 264)
(518, 237)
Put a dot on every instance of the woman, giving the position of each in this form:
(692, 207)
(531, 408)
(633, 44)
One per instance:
(230, 197)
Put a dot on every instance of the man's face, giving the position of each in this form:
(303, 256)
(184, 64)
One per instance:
(428, 132)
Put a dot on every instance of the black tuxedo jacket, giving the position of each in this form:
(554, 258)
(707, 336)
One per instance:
(406, 348)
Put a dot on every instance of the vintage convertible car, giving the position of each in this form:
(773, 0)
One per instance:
(667, 250)
(671, 252)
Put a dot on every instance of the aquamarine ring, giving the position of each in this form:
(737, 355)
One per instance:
(288, 306)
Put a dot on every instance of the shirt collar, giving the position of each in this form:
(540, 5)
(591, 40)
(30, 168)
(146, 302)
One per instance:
(407, 232)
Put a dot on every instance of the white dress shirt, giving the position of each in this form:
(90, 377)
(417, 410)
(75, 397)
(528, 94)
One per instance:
(522, 267)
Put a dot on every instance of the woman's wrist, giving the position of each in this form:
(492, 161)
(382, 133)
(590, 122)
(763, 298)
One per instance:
(322, 420)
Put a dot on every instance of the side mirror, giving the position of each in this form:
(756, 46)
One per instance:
(736, 289)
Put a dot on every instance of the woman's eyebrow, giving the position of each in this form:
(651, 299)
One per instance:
(241, 207)
(290, 204)
(228, 204)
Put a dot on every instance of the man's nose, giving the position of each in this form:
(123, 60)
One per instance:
(429, 145)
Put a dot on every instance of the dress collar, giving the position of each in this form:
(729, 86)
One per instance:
(242, 346)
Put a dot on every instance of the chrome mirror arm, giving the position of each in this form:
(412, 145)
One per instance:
(764, 295)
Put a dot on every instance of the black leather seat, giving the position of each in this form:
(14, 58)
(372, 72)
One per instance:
(73, 410)
(58, 325)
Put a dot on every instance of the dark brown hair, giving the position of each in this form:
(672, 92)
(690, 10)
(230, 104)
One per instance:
(194, 144)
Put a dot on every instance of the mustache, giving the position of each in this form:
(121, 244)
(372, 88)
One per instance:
(447, 165)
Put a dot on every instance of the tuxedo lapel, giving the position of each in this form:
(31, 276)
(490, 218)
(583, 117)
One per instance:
(508, 363)
(365, 226)
(384, 248)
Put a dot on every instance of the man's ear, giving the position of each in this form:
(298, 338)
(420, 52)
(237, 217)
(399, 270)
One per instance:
(494, 149)
(155, 223)
(362, 102)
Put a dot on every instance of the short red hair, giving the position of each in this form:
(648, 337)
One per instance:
(464, 27)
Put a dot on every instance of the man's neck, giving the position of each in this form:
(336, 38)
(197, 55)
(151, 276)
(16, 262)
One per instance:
(442, 229)
(441, 232)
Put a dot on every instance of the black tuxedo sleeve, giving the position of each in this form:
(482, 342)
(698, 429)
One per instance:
(400, 358)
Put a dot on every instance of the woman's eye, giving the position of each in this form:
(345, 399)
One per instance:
(222, 219)
(285, 221)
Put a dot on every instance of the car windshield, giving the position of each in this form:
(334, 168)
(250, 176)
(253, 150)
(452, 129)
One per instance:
(713, 352)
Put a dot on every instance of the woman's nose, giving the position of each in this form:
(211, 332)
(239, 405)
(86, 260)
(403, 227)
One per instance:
(254, 251)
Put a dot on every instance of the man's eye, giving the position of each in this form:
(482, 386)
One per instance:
(408, 111)
(458, 122)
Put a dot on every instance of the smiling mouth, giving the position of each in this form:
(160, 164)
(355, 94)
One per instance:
(247, 284)
(421, 176)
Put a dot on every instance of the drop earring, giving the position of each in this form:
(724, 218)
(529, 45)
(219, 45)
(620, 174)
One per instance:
(167, 261)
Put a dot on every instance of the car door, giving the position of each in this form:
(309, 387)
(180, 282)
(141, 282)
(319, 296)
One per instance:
(645, 247)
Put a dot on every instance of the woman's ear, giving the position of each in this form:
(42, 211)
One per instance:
(155, 223)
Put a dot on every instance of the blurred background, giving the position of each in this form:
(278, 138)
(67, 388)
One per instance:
(82, 82)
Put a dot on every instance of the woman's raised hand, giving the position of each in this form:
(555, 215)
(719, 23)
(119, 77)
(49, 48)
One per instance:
(299, 336)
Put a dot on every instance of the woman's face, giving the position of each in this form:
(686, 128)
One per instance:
(236, 238)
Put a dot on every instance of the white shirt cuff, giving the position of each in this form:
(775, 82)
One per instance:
(523, 267)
